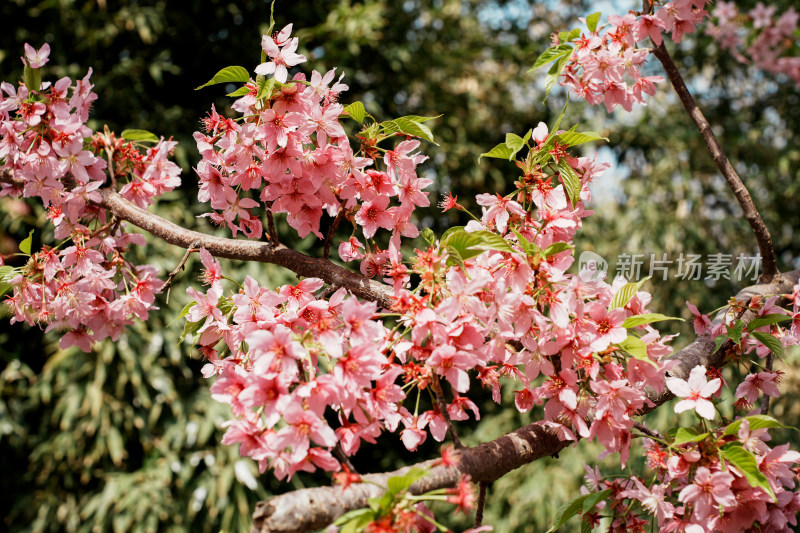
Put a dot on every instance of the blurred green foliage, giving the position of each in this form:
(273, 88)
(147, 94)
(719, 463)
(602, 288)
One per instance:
(127, 438)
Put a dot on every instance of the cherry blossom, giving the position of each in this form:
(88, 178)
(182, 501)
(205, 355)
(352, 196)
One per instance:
(37, 58)
(696, 392)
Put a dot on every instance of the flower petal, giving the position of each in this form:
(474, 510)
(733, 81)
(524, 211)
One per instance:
(678, 387)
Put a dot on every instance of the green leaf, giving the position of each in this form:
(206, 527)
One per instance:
(648, 318)
(592, 500)
(271, 18)
(756, 422)
(767, 320)
(745, 462)
(515, 142)
(527, 136)
(6, 274)
(625, 294)
(409, 127)
(554, 73)
(685, 435)
(429, 236)
(636, 348)
(356, 111)
(572, 507)
(501, 151)
(265, 87)
(571, 180)
(228, 75)
(189, 329)
(530, 248)
(186, 309)
(454, 257)
(553, 131)
(400, 484)
(32, 76)
(418, 118)
(4, 287)
(551, 54)
(225, 305)
(592, 20)
(25, 245)
(574, 138)
(355, 521)
(449, 231)
(138, 135)
(770, 341)
(556, 248)
(462, 245)
(492, 241)
(566, 36)
(459, 246)
(241, 91)
(371, 131)
(719, 340)
(735, 333)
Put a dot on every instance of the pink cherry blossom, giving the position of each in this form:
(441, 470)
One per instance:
(37, 58)
(707, 492)
(755, 384)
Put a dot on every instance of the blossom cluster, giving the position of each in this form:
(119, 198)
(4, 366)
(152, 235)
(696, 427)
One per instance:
(289, 153)
(290, 362)
(755, 337)
(724, 479)
(605, 66)
(759, 36)
(286, 357)
(84, 286)
(702, 487)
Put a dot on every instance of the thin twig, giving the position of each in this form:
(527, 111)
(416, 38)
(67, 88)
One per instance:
(327, 291)
(331, 231)
(768, 261)
(110, 156)
(641, 426)
(339, 453)
(765, 397)
(193, 248)
(481, 503)
(104, 227)
(273, 233)
(436, 385)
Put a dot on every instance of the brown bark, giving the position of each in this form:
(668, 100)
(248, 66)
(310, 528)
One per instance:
(768, 262)
(243, 250)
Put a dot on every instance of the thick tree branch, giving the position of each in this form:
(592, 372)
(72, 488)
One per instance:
(701, 350)
(768, 262)
(243, 250)
(310, 509)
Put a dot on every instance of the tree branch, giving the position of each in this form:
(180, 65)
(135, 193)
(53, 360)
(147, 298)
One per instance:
(768, 261)
(243, 250)
(311, 509)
